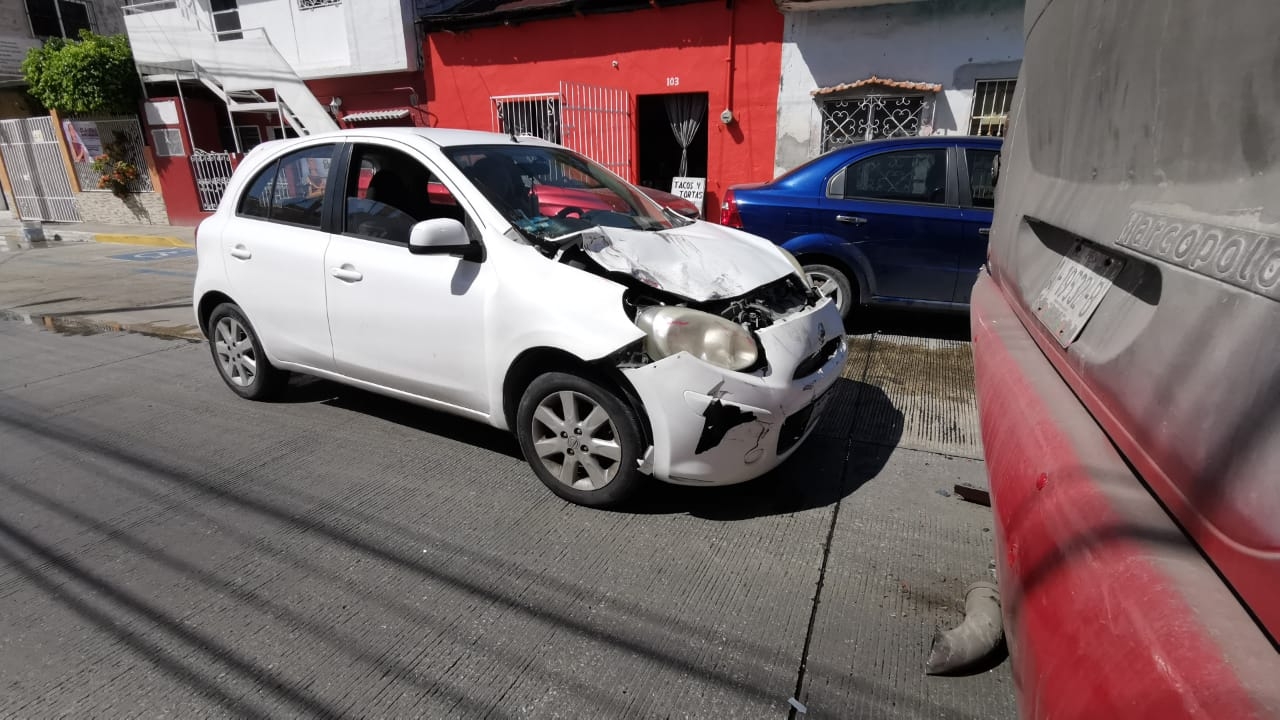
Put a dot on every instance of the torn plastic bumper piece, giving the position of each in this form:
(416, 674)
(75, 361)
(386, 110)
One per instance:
(721, 417)
(713, 426)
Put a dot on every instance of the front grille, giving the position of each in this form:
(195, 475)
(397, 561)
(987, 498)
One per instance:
(794, 427)
(814, 362)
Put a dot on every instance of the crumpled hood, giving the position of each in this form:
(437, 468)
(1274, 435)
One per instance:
(701, 262)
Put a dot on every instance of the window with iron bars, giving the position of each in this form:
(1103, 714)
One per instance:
(537, 116)
(312, 4)
(850, 120)
(991, 102)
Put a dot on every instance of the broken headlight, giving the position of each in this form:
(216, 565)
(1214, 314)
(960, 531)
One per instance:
(673, 329)
(804, 277)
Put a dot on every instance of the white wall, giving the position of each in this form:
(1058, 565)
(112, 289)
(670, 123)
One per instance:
(353, 37)
(950, 42)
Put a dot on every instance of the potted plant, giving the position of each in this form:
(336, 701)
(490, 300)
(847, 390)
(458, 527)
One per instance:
(116, 173)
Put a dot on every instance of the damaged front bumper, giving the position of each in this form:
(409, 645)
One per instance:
(713, 426)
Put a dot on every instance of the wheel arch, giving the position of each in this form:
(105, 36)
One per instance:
(208, 302)
(537, 361)
(811, 249)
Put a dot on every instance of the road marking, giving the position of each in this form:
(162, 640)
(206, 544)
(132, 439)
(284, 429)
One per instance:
(152, 255)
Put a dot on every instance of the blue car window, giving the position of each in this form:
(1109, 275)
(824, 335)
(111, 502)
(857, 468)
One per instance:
(903, 176)
(982, 185)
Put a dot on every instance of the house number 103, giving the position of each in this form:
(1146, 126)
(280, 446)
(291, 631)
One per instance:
(673, 81)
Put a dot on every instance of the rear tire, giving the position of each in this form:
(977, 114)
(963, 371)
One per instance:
(581, 440)
(834, 284)
(238, 355)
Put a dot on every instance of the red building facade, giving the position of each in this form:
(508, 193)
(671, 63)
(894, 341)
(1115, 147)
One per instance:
(654, 62)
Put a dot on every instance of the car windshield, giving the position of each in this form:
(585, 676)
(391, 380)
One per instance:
(550, 192)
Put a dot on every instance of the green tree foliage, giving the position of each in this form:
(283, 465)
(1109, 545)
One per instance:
(94, 74)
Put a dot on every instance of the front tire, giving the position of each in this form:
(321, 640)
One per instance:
(581, 440)
(834, 284)
(238, 355)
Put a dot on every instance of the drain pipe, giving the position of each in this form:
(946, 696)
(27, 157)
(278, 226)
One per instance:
(973, 639)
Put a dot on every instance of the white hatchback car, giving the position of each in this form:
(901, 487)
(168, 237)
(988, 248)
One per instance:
(512, 281)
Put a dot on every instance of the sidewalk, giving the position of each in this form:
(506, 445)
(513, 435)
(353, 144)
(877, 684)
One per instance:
(150, 235)
(74, 285)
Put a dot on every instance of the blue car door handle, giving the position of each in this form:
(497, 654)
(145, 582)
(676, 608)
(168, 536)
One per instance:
(984, 231)
(851, 219)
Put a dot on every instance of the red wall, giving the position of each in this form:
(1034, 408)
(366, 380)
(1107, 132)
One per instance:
(688, 42)
(177, 183)
(374, 92)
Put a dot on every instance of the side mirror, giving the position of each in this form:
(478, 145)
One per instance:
(444, 236)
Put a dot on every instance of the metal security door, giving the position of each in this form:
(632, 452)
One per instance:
(212, 172)
(41, 189)
(596, 121)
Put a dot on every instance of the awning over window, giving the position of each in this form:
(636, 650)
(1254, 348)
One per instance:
(371, 115)
(879, 82)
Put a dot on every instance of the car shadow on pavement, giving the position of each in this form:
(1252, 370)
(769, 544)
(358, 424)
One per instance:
(304, 390)
(850, 446)
(909, 323)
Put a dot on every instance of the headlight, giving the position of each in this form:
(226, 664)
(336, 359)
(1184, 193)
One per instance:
(703, 335)
(804, 277)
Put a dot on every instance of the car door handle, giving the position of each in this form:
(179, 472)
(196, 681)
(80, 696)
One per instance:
(346, 274)
(851, 219)
(241, 252)
(984, 231)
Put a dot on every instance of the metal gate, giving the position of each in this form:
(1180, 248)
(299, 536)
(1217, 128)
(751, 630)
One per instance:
(596, 121)
(41, 188)
(212, 172)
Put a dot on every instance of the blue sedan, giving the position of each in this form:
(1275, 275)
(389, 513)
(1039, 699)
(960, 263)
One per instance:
(902, 221)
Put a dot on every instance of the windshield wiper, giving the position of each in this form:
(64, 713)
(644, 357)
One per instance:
(681, 219)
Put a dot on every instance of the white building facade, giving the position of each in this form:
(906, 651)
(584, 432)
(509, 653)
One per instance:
(259, 55)
(855, 70)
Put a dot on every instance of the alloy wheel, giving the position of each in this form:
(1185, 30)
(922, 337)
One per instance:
(576, 440)
(828, 287)
(236, 355)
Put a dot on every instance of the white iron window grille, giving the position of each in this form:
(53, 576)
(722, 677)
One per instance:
(537, 115)
(846, 121)
(991, 102)
(126, 133)
(313, 4)
(212, 172)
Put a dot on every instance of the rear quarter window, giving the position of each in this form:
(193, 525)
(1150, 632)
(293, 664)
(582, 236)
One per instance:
(256, 201)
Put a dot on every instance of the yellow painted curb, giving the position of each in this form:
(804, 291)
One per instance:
(151, 240)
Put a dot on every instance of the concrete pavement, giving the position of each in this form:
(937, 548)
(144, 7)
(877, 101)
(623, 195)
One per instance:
(93, 286)
(166, 548)
(146, 235)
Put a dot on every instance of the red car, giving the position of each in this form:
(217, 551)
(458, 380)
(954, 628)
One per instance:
(554, 198)
(1128, 363)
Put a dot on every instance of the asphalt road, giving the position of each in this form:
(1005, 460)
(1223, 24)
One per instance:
(167, 549)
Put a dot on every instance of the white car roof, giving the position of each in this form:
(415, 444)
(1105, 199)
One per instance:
(442, 137)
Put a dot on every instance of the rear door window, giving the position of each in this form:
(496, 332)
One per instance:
(918, 176)
(982, 187)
